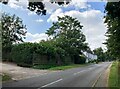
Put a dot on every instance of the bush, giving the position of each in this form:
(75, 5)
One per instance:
(24, 65)
(48, 66)
(25, 53)
(22, 53)
(6, 53)
(80, 59)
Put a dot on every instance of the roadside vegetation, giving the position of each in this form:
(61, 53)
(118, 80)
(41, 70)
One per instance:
(62, 67)
(114, 75)
(65, 44)
(68, 66)
(119, 74)
(5, 77)
(112, 19)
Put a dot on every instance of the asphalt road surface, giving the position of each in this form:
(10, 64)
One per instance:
(90, 76)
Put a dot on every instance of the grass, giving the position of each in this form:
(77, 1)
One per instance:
(113, 77)
(68, 66)
(55, 67)
(5, 77)
(119, 74)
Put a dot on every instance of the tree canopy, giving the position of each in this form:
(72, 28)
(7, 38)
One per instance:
(99, 52)
(13, 30)
(67, 34)
(112, 19)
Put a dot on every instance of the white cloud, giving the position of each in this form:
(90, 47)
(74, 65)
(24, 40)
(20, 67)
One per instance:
(22, 4)
(79, 4)
(31, 13)
(53, 17)
(35, 37)
(18, 4)
(50, 7)
(39, 20)
(93, 23)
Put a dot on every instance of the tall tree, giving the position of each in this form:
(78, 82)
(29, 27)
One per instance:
(67, 34)
(13, 30)
(112, 19)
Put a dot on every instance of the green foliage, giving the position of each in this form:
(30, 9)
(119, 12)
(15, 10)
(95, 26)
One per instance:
(56, 67)
(5, 77)
(67, 35)
(12, 29)
(24, 65)
(112, 19)
(22, 53)
(79, 59)
(25, 52)
(113, 77)
(6, 53)
(45, 66)
(100, 54)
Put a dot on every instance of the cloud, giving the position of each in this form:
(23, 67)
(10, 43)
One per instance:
(53, 17)
(79, 4)
(35, 37)
(31, 13)
(50, 7)
(93, 23)
(22, 4)
(39, 20)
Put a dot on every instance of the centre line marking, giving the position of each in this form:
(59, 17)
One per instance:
(52, 83)
(96, 80)
(79, 72)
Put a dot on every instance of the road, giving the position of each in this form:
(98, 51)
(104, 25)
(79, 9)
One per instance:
(90, 76)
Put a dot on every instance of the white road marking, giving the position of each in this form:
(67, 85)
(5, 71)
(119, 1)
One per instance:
(90, 68)
(52, 83)
(96, 80)
(79, 72)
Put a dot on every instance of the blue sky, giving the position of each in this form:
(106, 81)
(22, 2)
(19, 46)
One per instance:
(37, 24)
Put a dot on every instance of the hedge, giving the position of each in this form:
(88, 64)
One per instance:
(27, 53)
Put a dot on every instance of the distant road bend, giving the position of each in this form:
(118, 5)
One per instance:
(90, 76)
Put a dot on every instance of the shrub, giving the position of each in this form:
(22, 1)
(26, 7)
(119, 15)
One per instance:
(22, 53)
(26, 53)
(6, 53)
(24, 65)
(80, 59)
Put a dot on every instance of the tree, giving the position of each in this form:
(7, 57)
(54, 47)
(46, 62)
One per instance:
(13, 30)
(112, 19)
(39, 7)
(67, 34)
(100, 54)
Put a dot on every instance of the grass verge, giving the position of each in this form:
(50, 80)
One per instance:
(113, 77)
(119, 74)
(54, 67)
(5, 77)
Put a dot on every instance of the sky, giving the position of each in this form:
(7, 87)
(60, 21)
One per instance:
(90, 15)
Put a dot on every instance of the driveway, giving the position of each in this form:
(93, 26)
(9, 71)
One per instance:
(18, 73)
